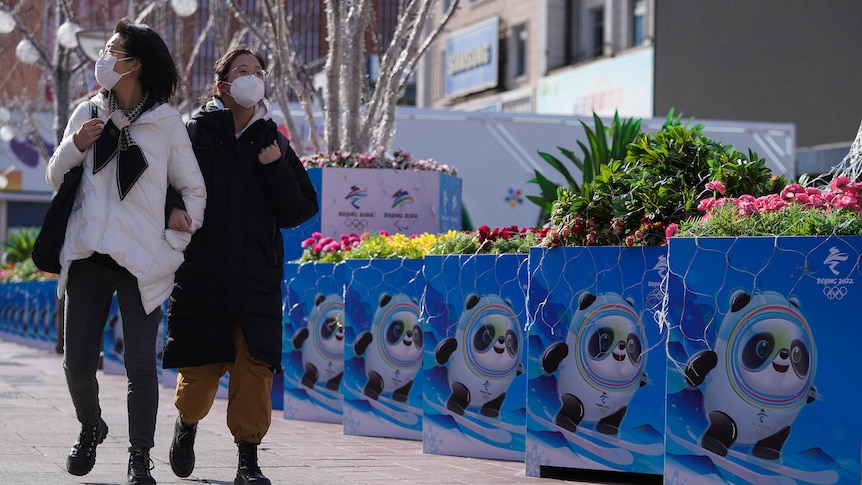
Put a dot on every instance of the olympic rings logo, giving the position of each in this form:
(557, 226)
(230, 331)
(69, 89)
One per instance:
(356, 223)
(835, 292)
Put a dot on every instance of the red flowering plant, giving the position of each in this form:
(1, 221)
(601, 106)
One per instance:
(379, 158)
(510, 239)
(19, 264)
(485, 240)
(796, 211)
(326, 249)
(633, 202)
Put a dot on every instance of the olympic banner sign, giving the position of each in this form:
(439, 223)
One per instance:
(356, 200)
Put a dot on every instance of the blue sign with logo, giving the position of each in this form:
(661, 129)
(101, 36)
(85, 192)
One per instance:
(472, 58)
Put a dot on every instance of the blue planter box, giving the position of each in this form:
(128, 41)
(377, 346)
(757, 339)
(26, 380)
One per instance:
(383, 348)
(596, 361)
(475, 388)
(357, 200)
(313, 346)
(28, 311)
(761, 381)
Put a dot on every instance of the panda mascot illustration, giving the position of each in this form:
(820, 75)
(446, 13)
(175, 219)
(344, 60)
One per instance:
(392, 348)
(601, 364)
(484, 356)
(758, 376)
(323, 356)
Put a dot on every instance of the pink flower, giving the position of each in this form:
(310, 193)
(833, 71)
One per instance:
(838, 183)
(789, 192)
(706, 204)
(671, 230)
(775, 203)
(717, 186)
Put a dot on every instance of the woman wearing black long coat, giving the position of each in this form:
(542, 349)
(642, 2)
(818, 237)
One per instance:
(226, 308)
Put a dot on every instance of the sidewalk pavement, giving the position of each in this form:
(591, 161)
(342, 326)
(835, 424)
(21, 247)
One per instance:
(38, 427)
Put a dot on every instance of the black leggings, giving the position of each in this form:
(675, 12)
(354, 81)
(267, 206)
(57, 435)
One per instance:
(89, 291)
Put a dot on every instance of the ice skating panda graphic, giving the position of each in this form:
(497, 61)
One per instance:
(758, 376)
(323, 356)
(483, 357)
(601, 364)
(392, 348)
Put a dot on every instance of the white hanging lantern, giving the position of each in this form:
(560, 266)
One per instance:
(66, 35)
(26, 52)
(6, 134)
(7, 22)
(184, 8)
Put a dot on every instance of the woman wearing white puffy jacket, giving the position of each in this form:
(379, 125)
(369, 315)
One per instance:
(117, 237)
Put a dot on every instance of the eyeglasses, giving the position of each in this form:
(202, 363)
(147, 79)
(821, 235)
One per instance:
(112, 52)
(248, 71)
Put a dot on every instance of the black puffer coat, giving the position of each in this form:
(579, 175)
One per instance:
(233, 266)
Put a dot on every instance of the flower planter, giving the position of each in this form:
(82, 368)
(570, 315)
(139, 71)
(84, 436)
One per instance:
(596, 362)
(761, 381)
(475, 387)
(357, 200)
(313, 358)
(383, 348)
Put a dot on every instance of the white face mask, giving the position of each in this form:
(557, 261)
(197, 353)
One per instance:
(105, 74)
(247, 91)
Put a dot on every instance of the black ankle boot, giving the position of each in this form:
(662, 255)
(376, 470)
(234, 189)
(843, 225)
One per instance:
(248, 472)
(140, 465)
(182, 455)
(83, 455)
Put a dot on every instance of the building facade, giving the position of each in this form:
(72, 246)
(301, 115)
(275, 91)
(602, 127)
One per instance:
(782, 61)
(547, 56)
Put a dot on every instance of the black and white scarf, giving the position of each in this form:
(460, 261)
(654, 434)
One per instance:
(116, 140)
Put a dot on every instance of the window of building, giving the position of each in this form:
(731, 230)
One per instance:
(519, 51)
(638, 22)
(597, 32)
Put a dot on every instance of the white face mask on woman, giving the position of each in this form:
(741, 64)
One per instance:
(105, 74)
(247, 91)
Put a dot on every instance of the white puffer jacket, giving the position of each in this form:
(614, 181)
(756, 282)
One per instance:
(132, 230)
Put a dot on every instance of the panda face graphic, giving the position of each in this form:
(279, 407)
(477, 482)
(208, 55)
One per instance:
(771, 353)
(611, 344)
(493, 343)
(401, 335)
(330, 330)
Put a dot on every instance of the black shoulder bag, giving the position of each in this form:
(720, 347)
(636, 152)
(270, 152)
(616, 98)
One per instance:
(49, 242)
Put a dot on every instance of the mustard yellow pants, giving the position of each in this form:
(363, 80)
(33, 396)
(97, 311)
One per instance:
(249, 408)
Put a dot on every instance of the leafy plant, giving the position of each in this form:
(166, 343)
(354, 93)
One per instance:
(507, 240)
(23, 271)
(659, 183)
(19, 246)
(597, 152)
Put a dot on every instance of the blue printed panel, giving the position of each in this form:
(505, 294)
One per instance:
(761, 384)
(313, 358)
(596, 360)
(475, 349)
(28, 312)
(383, 348)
